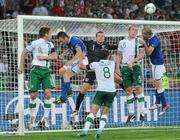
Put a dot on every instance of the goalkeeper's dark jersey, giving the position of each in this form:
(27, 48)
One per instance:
(93, 50)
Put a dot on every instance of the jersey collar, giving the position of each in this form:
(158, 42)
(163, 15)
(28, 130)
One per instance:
(69, 39)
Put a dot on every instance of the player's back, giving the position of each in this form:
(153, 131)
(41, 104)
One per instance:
(75, 42)
(104, 70)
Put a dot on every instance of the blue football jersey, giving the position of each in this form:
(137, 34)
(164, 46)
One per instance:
(75, 42)
(156, 56)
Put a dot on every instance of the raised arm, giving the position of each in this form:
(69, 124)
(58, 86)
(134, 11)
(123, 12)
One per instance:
(76, 56)
(52, 56)
(64, 53)
(118, 61)
(21, 65)
(148, 49)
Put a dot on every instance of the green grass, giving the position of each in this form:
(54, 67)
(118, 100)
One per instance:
(121, 134)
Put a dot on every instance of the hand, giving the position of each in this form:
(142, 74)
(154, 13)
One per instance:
(142, 41)
(130, 66)
(117, 71)
(61, 56)
(20, 70)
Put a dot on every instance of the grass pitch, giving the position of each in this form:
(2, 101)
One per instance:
(120, 134)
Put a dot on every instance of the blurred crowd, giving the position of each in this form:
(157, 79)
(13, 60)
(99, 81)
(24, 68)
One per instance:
(111, 9)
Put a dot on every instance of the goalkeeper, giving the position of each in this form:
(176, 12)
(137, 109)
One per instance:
(94, 55)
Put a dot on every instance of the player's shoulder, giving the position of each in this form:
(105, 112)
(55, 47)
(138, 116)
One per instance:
(88, 42)
(75, 38)
(51, 44)
(123, 40)
(105, 61)
(155, 37)
(35, 41)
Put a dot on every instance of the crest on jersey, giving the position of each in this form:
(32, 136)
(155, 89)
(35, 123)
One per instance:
(124, 45)
(103, 46)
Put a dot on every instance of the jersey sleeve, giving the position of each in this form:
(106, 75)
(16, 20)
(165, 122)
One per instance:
(30, 46)
(52, 47)
(120, 46)
(93, 65)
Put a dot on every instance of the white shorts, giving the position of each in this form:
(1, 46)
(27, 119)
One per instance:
(75, 67)
(158, 71)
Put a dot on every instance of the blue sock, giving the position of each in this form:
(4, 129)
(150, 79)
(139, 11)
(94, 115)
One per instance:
(157, 98)
(163, 100)
(66, 89)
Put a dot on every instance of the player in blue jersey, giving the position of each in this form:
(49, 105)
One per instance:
(152, 47)
(71, 67)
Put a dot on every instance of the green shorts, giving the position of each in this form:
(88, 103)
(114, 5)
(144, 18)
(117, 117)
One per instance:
(40, 76)
(132, 77)
(104, 98)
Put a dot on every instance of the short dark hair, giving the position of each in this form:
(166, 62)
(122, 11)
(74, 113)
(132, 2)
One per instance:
(43, 31)
(62, 34)
(99, 32)
(104, 54)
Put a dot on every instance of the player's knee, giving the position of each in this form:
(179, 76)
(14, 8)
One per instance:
(47, 94)
(139, 89)
(128, 91)
(84, 89)
(33, 95)
(157, 84)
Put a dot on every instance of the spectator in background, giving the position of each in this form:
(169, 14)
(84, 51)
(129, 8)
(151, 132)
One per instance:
(2, 8)
(177, 13)
(78, 9)
(58, 9)
(28, 5)
(17, 11)
(40, 9)
(9, 7)
(69, 6)
(87, 8)
(116, 9)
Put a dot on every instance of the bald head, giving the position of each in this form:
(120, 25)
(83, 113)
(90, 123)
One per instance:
(146, 33)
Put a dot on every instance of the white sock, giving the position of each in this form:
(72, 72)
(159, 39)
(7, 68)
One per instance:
(33, 108)
(103, 121)
(141, 102)
(47, 107)
(89, 121)
(130, 103)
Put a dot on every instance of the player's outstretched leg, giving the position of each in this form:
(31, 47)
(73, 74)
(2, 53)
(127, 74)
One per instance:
(89, 121)
(157, 104)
